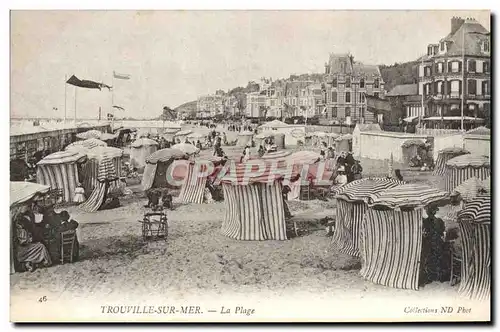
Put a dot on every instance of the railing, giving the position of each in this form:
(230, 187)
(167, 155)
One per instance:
(437, 132)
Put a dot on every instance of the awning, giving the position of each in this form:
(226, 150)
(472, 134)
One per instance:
(452, 118)
(410, 118)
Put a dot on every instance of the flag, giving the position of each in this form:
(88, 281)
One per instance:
(110, 116)
(121, 76)
(73, 80)
(119, 108)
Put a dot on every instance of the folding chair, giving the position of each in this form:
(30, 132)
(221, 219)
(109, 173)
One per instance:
(68, 239)
(154, 225)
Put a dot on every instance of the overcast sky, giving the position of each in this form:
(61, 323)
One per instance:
(174, 57)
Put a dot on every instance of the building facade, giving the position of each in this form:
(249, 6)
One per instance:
(346, 83)
(457, 70)
(210, 106)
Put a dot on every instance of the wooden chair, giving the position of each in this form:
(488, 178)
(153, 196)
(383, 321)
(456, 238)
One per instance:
(154, 227)
(305, 192)
(68, 239)
(455, 264)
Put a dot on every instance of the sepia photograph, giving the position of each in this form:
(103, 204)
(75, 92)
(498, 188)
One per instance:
(250, 166)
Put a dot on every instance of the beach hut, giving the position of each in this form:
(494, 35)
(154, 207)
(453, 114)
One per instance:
(259, 138)
(59, 170)
(244, 138)
(343, 143)
(140, 149)
(254, 207)
(194, 184)
(90, 134)
(159, 174)
(187, 148)
(444, 155)
(475, 234)
(391, 244)
(21, 193)
(351, 208)
(279, 140)
(463, 167)
(106, 177)
(410, 149)
(91, 168)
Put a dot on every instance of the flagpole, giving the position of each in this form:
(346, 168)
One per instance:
(113, 100)
(463, 77)
(423, 109)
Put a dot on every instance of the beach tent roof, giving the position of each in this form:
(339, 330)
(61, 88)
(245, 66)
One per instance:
(282, 154)
(454, 150)
(102, 152)
(303, 157)
(251, 172)
(165, 155)
(409, 195)
(479, 131)
(106, 136)
(21, 192)
(63, 157)
(363, 189)
(265, 134)
(478, 210)
(143, 142)
(469, 160)
(411, 142)
(90, 134)
(86, 144)
(274, 124)
(186, 148)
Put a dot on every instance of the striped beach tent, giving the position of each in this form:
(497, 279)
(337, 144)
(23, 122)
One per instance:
(392, 234)
(479, 131)
(59, 170)
(464, 167)
(351, 209)
(140, 149)
(475, 234)
(158, 172)
(93, 133)
(194, 184)
(254, 205)
(91, 167)
(469, 189)
(444, 155)
(486, 184)
(106, 175)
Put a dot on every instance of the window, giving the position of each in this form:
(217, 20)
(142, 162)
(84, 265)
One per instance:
(376, 95)
(455, 87)
(347, 97)
(334, 83)
(429, 50)
(362, 83)
(485, 87)
(472, 66)
(436, 50)
(360, 97)
(347, 111)
(442, 46)
(439, 88)
(471, 87)
(427, 89)
(486, 67)
(347, 82)
(440, 67)
(486, 46)
(334, 112)
(376, 84)
(334, 97)
(455, 66)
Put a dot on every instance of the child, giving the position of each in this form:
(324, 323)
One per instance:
(167, 201)
(79, 194)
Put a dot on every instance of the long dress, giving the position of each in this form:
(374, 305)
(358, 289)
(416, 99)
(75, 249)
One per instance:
(31, 252)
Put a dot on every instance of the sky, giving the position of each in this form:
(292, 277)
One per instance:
(176, 56)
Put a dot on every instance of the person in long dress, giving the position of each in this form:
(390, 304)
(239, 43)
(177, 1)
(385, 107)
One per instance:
(79, 194)
(29, 253)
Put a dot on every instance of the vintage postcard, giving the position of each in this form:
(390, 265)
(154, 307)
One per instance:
(250, 166)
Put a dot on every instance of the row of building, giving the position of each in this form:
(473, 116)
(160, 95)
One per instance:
(456, 70)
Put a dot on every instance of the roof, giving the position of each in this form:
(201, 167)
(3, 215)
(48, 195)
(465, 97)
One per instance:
(186, 148)
(479, 131)
(274, 123)
(469, 160)
(143, 142)
(21, 192)
(409, 195)
(378, 104)
(403, 90)
(102, 152)
(478, 210)
(368, 127)
(337, 60)
(361, 190)
(63, 157)
(472, 33)
(165, 155)
(361, 69)
(294, 87)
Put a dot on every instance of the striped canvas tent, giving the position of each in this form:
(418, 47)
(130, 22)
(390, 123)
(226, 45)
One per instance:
(464, 167)
(254, 205)
(475, 234)
(157, 175)
(105, 177)
(351, 209)
(444, 155)
(392, 234)
(59, 171)
(86, 144)
(140, 149)
(91, 167)
(193, 187)
(90, 134)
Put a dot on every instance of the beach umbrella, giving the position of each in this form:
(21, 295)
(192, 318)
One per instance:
(408, 196)
(106, 136)
(21, 192)
(143, 142)
(90, 134)
(477, 210)
(464, 167)
(102, 152)
(86, 144)
(165, 155)
(186, 148)
(446, 154)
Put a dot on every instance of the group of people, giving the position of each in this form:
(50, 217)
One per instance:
(37, 236)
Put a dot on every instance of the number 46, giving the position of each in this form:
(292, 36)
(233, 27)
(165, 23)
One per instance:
(42, 299)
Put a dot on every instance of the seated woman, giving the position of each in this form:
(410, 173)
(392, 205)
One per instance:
(30, 254)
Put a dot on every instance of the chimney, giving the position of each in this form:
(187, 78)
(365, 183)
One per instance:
(456, 23)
